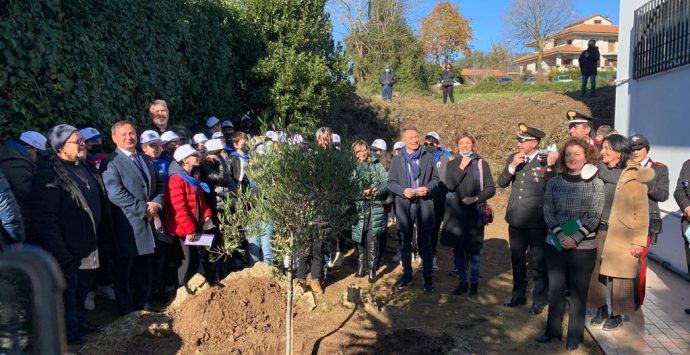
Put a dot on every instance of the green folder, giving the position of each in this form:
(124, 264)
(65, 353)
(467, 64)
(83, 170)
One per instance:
(570, 227)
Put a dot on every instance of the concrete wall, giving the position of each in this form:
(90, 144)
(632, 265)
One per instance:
(656, 106)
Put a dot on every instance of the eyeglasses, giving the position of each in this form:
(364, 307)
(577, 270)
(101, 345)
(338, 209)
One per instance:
(78, 142)
(427, 144)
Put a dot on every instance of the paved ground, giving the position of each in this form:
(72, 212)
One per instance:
(660, 327)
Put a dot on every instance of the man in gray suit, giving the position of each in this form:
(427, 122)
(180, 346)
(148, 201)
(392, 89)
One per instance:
(136, 194)
(528, 174)
(413, 179)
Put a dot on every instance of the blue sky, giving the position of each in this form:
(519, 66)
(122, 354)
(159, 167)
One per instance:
(486, 17)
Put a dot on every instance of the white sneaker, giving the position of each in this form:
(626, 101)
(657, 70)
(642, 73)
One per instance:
(435, 267)
(107, 292)
(89, 302)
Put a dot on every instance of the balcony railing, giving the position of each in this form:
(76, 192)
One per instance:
(661, 37)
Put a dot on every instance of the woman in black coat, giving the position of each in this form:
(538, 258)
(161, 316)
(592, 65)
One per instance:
(469, 180)
(447, 81)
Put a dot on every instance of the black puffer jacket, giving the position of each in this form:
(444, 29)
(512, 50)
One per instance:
(447, 78)
(589, 58)
(216, 174)
(18, 169)
(63, 223)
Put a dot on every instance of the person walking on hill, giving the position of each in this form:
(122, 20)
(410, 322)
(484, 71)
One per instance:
(413, 179)
(589, 63)
(447, 81)
(387, 80)
(528, 175)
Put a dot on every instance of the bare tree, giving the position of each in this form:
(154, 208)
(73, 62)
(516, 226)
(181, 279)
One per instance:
(536, 20)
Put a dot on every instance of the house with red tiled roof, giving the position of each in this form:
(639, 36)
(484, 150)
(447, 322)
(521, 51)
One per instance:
(563, 48)
(474, 75)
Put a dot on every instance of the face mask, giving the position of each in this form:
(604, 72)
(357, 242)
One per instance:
(96, 149)
(468, 154)
(430, 149)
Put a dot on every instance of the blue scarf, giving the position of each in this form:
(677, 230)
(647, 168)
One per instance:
(194, 182)
(409, 158)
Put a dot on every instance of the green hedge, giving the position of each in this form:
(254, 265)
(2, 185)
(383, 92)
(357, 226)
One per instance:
(96, 62)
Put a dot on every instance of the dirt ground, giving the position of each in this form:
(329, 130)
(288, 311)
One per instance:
(247, 315)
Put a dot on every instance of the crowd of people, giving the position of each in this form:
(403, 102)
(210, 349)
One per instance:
(135, 224)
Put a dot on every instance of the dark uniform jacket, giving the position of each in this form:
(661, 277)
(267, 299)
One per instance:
(526, 203)
(588, 61)
(63, 222)
(682, 193)
(657, 191)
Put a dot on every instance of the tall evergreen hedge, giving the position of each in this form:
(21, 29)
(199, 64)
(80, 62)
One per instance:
(90, 63)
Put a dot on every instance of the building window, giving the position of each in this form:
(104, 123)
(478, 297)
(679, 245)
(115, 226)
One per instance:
(570, 41)
(567, 62)
(661, 39)
(597, 22)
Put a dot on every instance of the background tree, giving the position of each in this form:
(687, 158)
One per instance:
(500, 57)
(536, 20)
(445, 33)
(378, 35)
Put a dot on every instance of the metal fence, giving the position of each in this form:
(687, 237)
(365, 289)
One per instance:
(661, 37)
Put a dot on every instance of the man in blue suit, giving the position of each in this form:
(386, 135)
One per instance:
(136, 195)
(413, 179)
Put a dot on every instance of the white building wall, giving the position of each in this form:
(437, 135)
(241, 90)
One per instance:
(656, 106)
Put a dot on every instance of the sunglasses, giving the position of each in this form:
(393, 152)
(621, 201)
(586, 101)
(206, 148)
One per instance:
(77, 142)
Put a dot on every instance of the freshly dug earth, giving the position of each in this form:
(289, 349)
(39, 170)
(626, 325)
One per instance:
(247, 316)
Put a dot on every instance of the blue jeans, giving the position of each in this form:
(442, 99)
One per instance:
(462, 259)
(387, 93)
(593, 85)
(261, 247)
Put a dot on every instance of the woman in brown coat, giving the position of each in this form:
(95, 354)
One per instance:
(622, 233)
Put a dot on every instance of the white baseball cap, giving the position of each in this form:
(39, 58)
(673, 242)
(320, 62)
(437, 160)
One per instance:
(90, 133)
(379, 144)
(335, 138)
(199, 138)
(34, 139)
(227, 124)
(214, 144)
(435, 135)
(272, 135)
(148, 137)
(217, 135)
(169, 136)
(184, 151)
(245, 117)
(398, 145)
(212, 121)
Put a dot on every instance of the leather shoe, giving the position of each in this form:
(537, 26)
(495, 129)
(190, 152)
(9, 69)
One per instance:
(601, 316)
(515, 303)
(403, 282)
(613, 323)
(536, 309)
(462, 288)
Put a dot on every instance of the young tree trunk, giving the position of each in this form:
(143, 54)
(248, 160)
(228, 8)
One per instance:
(288, 315)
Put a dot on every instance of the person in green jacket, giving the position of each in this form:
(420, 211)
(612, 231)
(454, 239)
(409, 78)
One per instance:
(373, 181)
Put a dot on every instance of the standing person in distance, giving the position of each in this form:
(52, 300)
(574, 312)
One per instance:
(572, 208)
(528, 174)
(589, 64)
(136, 194)
(657, 191)
(447, 81)
(470, 185)
(387, 80)
(413, 178)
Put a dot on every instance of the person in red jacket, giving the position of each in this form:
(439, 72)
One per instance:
(185, 208)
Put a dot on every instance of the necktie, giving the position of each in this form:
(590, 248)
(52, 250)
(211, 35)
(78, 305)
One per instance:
(526, 160)
(139, 165)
